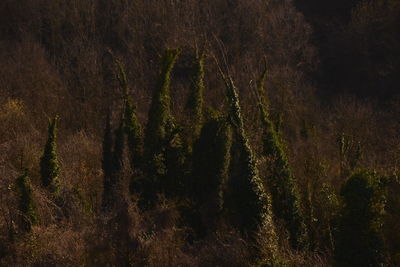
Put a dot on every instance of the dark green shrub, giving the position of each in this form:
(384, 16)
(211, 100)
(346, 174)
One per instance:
(26, 202)
(359, 240)
(49, 166)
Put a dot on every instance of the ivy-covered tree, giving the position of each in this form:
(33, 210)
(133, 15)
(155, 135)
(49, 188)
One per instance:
(122, 79)
(196, 100)
(211, 161)
(359, 240)
(26, 205)
(161, 134)
(160, 108)
(251, 203)
(132, 126)
(280, 180)
(49, 166)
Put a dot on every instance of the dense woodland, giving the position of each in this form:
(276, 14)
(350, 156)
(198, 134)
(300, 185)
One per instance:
(199, 133)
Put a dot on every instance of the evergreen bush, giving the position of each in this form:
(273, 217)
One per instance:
(49, 166)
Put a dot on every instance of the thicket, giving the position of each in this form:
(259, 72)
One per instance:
(161, 162)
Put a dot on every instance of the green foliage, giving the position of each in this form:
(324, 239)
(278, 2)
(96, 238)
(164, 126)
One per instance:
(211, 161)
(359, 241)
(195, 101)
(49, 166)
(26, 202)
(285, 198)
(134, 134)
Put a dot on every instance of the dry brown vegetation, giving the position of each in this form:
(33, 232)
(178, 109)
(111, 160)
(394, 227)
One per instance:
(57, 57)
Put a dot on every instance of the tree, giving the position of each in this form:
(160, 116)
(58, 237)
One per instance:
(285, 198)
(359, 240)
(49, 166)
(132, 126)
(160, 109)
(161, 130)
(26, 202)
